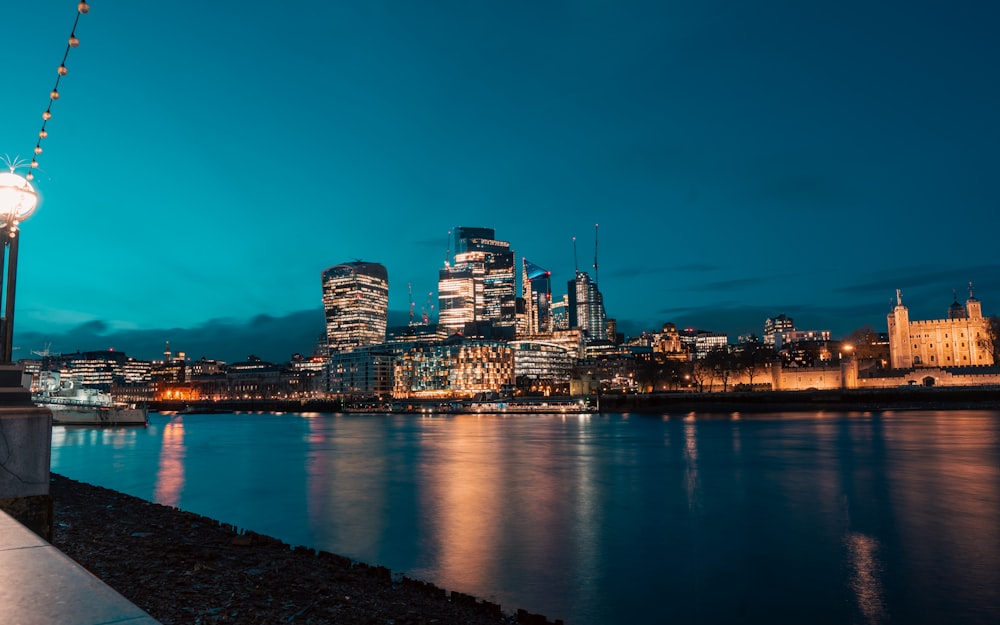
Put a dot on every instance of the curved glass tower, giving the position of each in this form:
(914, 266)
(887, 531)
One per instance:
(356, 302)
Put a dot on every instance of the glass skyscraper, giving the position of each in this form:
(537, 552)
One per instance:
(586, 307)
(479, 285)
(356, 304)
(536, 290)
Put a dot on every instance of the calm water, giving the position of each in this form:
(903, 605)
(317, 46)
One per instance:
(804, 518)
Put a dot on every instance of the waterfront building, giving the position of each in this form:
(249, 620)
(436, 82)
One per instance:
(586, 307)
(356, 303)
(542, 367)
(455, 368)
(961, 339)
(253, 379)
(362, 373)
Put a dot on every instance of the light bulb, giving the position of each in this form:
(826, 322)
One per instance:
(62, 70)
(83, 7)
(73, 41)
(46, 116)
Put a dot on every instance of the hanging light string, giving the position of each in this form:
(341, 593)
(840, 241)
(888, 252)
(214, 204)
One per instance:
(61, 71)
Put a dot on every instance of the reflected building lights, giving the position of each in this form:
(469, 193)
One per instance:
(170, 475)
(865, 579)
(692, 481)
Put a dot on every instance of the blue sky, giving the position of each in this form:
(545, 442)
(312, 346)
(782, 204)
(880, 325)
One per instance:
(206, 163)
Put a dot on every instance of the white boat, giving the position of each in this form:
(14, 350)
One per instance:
(75, 405)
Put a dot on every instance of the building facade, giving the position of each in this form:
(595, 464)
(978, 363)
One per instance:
(586, 307)
(960, 340)
(536, 290)
(478, 285)
(356, 304)
(460, 368)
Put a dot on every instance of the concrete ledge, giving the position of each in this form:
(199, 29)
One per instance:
(40, 585)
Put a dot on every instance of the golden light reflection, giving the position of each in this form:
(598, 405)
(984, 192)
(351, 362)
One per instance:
(170, 475)
(348, 483)
(465, 490)
(865, 582)
(692, 481)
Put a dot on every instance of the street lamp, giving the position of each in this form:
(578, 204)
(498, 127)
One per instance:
(18, 201)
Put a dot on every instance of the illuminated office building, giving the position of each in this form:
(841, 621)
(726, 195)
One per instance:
(479, 285)
(536, 290)
(460, 288)
(586, 307)
(356, 302)
(453, 369)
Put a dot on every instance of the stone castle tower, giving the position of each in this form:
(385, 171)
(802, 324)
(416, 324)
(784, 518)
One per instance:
(959, 340)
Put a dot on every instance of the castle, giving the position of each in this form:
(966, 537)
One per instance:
(960, 340)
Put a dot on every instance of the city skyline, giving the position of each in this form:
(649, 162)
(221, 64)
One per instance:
(742, 162)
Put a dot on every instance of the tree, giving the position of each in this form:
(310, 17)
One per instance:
(993, 337)
(754, 357)
(868, 345)
(721, 364)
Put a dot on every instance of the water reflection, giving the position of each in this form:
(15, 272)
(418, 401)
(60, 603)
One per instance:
(347, 472)
(865, 579)
(170, 474)
(865, 518)
(464, 488)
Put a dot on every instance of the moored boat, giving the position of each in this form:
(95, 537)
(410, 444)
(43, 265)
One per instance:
(75, 405)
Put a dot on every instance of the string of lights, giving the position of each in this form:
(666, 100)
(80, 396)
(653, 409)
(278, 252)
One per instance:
(61, 71)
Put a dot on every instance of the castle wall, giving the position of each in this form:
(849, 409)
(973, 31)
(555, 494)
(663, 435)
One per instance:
(957, 342)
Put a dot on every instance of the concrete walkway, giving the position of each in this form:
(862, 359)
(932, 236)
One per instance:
(39, 585)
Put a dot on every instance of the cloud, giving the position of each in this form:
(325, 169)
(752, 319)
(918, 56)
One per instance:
(272, 338)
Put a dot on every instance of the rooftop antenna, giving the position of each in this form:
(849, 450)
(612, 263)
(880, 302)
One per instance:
(595, 254)
(409, 288)
(971, 296)
(576, 268)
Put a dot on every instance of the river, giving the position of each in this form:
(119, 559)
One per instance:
(606, 519)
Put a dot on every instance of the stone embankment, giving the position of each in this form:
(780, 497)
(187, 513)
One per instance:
(183, 568)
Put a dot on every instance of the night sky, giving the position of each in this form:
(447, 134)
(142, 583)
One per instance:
(206, 163)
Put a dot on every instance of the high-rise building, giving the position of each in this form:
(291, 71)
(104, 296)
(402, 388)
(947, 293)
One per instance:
(586, 307)
(479, 285)
(774, 326)
(356, 303)
(536, 290)
(460, 287)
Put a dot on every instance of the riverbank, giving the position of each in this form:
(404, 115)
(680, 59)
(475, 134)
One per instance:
(902, 398)
(184, 568)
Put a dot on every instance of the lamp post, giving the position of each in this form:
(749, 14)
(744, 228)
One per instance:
(18, 201)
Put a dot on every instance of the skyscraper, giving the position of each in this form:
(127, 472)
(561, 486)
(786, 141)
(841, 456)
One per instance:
(586, 307)
(479, 284)
(536, 290)
(356, 302)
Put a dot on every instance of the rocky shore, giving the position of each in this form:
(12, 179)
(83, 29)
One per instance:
(183, 568)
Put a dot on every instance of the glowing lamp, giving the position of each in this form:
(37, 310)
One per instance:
(73, 41)
(62, 71)
(18, 199)
(83, 7)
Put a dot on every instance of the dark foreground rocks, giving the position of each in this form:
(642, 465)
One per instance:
(184, 568)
